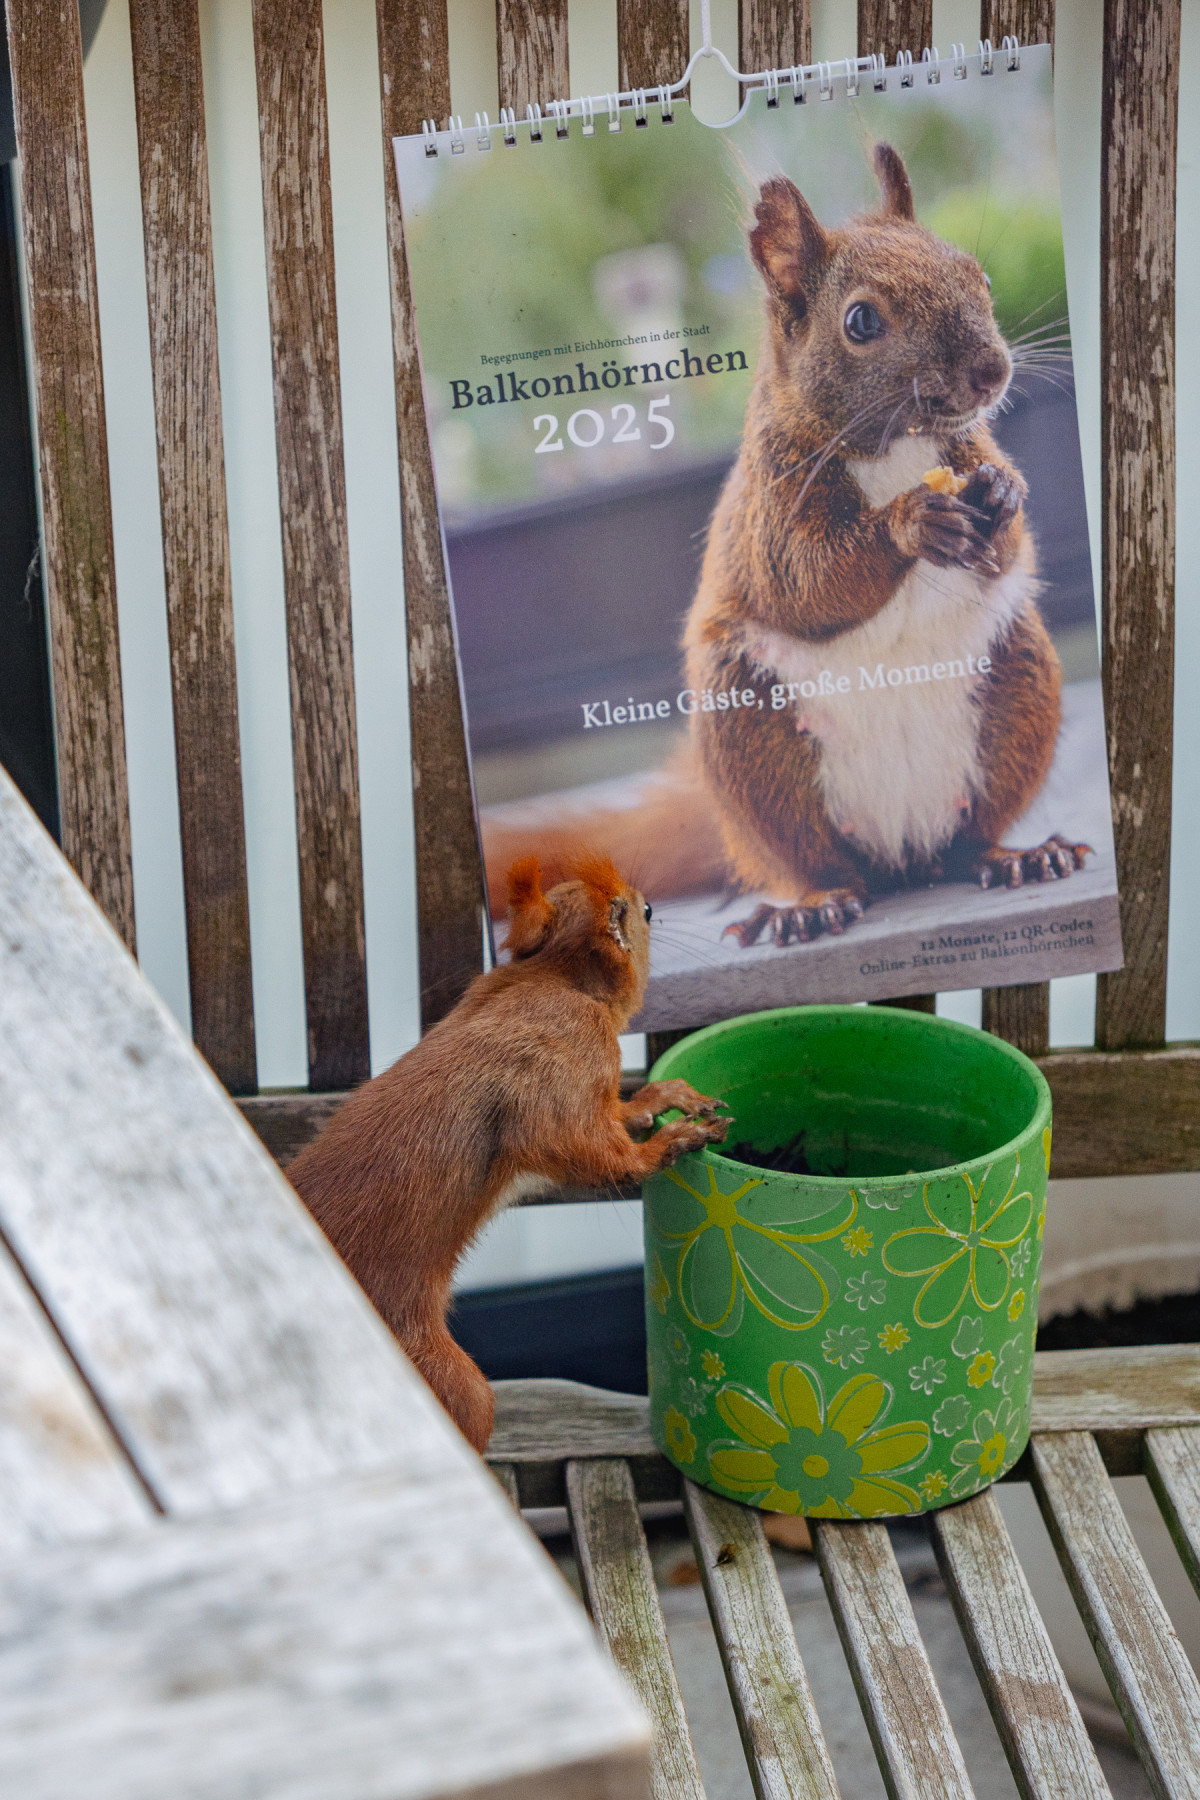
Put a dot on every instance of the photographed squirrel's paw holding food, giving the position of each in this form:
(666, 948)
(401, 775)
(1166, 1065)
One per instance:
(830, 912)
(1052, 861)
(938, 528)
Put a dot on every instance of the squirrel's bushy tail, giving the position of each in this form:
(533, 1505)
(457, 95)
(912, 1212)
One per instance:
(668, 844)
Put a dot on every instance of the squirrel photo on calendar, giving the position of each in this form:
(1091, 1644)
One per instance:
(758, 463)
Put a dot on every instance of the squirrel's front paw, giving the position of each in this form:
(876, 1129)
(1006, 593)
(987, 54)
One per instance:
(940, 529)
(688, 1134)
(680, 1096)
(995, 494)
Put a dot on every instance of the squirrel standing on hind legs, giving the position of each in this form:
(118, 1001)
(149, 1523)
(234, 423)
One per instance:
(515, 1091)
(868, 549)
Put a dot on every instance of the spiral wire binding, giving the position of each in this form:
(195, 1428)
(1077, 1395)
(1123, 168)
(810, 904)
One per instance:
(769, 82)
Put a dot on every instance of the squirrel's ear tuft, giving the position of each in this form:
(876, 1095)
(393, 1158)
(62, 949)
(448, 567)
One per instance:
(530, 912)
(599, 873)
(894, 184)
(787, 242)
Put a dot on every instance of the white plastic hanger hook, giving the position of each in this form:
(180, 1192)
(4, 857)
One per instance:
(706, 43)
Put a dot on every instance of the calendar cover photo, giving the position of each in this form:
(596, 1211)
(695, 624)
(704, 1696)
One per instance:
(758, 466)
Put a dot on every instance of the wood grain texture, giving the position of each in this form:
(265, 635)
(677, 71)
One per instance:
(228, 1348)
(60, 260)
(1032, 21)
(177, 229)
(1133, 1112)
(1137, 255)
(1020, 1014)
(1173, 1470)
(774, 34)
(543, 1424)
(414, 72)
(618, 1584)
(383, 1639)
(777, 1717)
(914, 1742)
(298, 220)
(1039, 1723)
(62, 1474)
(894, 25)
(531, 52)
(652, 42)
(1143, 1660)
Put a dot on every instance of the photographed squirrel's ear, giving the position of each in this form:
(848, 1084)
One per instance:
(787, 243)
(894, 184)
(531, 914)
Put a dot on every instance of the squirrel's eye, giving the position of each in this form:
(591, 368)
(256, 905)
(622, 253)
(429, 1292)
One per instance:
(862, 323)
(648, 912)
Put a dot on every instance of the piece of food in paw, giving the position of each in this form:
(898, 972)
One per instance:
(943, 480)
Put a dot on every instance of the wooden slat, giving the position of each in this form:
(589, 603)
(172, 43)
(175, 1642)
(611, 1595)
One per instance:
(1125, 1114)
(894, 25)
(1137, 252)
(414, 72)
(382, 1637)
(1143, 1660)
(531, 52)
(543, 1424)
(297, 210)
(227, 1347)
(618, 1584)
(1134, 1112)
(774, 34)
(777, 1717)
(62, 1475)
(1173, 1470)
(652, 42)
(1032, 21)
(60, 260)
(1020, 1014)
(905, 1714)
(1039, 1723)
(506, 1477)
(177, 227)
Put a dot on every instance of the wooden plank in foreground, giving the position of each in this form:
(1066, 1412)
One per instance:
(1143, 1660)
(904, 1711)
(1039, 1723)
(378, 1639)
(776, 1714)
(618, 1582)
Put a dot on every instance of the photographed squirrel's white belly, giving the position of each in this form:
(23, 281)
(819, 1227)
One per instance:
(898, 742)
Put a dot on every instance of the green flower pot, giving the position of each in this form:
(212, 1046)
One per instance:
(858, 1341)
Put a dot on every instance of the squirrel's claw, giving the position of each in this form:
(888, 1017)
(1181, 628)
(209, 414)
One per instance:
(1052, 861)
(828, 911)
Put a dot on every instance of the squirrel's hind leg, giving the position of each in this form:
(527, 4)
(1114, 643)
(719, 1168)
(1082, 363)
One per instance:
(459, 1384)
(820, 910)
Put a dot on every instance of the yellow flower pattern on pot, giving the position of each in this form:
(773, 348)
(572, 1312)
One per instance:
(964, 1248)
(797, 1454)
(749, 1243)
(681, 1439)
(983, 1455)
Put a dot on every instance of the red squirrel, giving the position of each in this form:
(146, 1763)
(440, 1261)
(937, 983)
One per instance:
(516, 1090)
(829, 554)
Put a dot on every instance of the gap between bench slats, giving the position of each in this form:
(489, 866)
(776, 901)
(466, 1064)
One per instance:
(772, 1701)
(177, 227)
(1036, 1716)
(905, 1714)
(1143, 1660)
(46, 59)
(618, 1584)
(414, 73)
(298, 215)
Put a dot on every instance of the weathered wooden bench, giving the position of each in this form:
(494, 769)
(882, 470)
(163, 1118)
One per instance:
(146, 1338)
